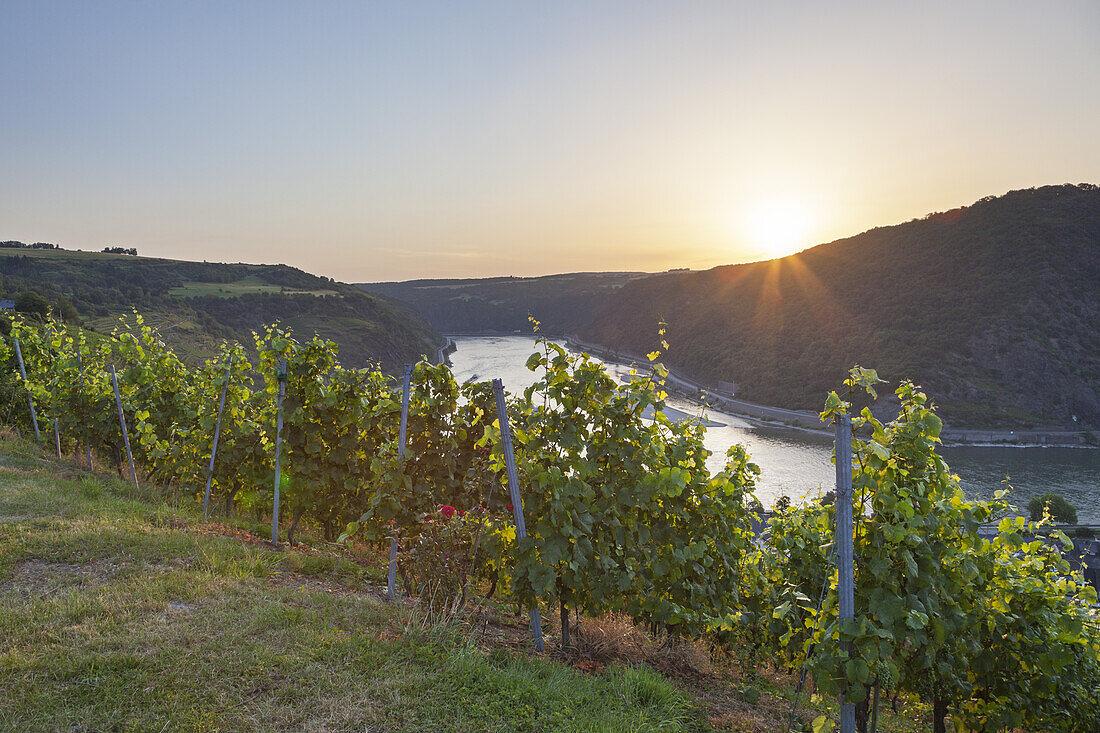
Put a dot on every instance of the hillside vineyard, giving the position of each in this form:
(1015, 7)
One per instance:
(622, 514)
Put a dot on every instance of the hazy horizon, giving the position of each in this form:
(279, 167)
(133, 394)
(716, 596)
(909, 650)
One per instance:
(398, 141)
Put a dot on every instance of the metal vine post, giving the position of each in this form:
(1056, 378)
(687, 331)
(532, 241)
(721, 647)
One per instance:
(214, 447)
(281, 376)
(391, 579)
(513, 493)
(122, 422)
(80, 368)
(844, 541)
(30, 400)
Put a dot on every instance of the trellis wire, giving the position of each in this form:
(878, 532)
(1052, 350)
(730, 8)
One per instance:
(810, 648)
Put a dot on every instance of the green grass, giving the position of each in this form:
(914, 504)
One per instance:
(121, 610)
(118, 613)
(244, 286)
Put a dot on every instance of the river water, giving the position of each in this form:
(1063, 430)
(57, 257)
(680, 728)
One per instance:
(796, 463)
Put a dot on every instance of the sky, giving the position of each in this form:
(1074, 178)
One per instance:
(375, 141)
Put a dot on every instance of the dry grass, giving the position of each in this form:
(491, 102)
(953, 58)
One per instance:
(616, 638)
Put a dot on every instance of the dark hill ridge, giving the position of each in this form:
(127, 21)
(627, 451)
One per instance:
(196, 304)
(994, 308)
(564, 303)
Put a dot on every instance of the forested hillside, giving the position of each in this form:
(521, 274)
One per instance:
(994, 308)
(563, 303)
(198, 304)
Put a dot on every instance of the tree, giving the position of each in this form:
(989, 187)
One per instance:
(1060, 509)
(31, 303)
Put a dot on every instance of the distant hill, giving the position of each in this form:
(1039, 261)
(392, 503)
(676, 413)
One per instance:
(197, 304)
(563, 303)
(994, 308)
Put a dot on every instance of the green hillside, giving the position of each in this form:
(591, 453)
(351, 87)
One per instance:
(994, 308)
(197, 304)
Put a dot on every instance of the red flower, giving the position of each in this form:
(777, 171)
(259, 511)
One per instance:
(511, 508)
(461, 512)
(447, 511)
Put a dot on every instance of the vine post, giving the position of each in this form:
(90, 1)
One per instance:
(513, 493)
(80, 372)
(214, 448)
(30, 400)
(391, 580)
(57, 438)
(278, 445)
(844, 540)
(122, 422)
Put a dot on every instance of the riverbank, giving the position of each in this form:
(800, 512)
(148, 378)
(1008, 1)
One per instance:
(709, 396)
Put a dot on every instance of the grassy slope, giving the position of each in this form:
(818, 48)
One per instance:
(123, 611)
(245, 286)
(116, 617)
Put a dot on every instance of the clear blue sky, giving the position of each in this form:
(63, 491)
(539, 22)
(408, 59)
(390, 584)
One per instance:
(373, 141)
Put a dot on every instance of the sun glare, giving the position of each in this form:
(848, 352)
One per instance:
(778, 226)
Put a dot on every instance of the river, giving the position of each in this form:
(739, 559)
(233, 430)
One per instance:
(797, 463)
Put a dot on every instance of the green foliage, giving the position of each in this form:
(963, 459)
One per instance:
(622, 513)
(1056, 505)
(440, 556)
(32, 305)
(1000, 629)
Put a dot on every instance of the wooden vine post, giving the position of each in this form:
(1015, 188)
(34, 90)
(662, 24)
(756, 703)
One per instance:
(30, 400)
(122, 422)
(844, 542)
(391, 579)
(214, 448)
(281, 376)
(514, 495)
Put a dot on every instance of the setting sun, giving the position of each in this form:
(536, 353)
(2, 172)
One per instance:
(777, 226)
